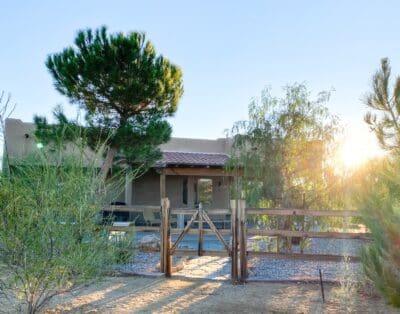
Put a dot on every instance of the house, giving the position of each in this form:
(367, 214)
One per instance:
(191, 170)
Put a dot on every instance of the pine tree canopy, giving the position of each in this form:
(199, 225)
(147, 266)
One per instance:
(125, 89)
(385, 103)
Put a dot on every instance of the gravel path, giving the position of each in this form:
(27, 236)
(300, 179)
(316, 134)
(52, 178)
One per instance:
(260, 268)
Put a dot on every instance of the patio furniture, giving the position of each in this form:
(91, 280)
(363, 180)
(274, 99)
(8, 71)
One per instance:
(150, 218)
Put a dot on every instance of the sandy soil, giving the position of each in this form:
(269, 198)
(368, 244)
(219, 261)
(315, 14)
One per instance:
(184, 295)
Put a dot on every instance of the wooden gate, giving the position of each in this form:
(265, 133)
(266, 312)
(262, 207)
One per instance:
(201, 217)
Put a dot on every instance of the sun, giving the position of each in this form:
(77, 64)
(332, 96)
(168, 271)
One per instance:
(351, 155)
(356, 149)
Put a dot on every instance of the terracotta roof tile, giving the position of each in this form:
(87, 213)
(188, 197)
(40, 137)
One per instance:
(192, 159)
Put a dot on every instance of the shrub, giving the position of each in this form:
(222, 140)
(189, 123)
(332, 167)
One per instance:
(49, 239)
(380, 207)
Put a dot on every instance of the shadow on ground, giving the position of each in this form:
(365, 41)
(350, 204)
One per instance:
(189, 295)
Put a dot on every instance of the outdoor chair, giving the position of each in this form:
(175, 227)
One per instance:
(153, 218)
(150, 218)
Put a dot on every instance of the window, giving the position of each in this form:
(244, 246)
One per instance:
(205, 191)
(185, 191)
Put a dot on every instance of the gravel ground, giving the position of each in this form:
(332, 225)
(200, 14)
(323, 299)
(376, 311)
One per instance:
(147, 263)
(185, 295)
(260, 268)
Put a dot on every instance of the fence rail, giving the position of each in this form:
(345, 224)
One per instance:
(132, 208)
(302, 212)
(310, 234)
(304, 234)
(307, 256)
(210, 212)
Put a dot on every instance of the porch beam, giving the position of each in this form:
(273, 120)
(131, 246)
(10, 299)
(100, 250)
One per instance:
(203, 172)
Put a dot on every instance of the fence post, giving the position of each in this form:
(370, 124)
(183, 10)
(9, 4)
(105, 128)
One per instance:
(200, 239)
(166, 243)
(234, 254)
(162, 268)
(242, 240)
(162, 196)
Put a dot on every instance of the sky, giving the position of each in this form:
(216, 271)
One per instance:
(228, 51)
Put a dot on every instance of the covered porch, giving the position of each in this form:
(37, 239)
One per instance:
(186, 179)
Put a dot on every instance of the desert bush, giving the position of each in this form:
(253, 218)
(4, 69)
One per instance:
(50, 238)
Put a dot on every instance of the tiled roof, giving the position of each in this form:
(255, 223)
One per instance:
(192, 159)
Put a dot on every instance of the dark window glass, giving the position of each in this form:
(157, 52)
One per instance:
(185, 191)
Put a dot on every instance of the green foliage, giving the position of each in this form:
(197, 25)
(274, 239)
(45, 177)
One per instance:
(125, 89)
(205, 187)
(386, 102)
(50, 237)
(283, 148)
(116, 73)
(380, 207)
(379, 196)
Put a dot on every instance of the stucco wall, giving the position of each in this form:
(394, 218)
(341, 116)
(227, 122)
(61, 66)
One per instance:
(146, 190)
(220, 192)
(191, 145)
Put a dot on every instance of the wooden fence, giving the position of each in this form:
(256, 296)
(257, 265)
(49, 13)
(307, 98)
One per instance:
(238, 232)
(291, 213)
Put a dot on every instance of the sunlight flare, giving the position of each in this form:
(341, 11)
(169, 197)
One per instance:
(357, 148)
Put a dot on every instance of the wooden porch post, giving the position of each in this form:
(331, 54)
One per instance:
(162, 196)
(128, 190)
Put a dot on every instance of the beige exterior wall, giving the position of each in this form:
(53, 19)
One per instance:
(146, 190)
(19, 137)
(190, 145)
(19, 140)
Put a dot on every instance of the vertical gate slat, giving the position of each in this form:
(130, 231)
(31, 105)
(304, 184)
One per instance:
(243, 246)
(162, 196)
(200, 228)
(234, 255)
(167, 258)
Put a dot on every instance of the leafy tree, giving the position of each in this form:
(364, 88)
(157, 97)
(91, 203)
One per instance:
(283, 148)
(283, 151)
(385, 101)
(125, 89)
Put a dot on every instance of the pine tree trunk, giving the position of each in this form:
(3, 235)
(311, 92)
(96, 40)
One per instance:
(108, 161)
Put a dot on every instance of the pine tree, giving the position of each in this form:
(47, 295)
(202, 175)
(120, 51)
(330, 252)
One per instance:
(125, 89)
(385, 124)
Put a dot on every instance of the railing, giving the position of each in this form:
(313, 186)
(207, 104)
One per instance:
(157, 209)
(305, 234)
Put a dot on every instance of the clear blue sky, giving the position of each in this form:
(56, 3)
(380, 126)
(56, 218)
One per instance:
(228, 51)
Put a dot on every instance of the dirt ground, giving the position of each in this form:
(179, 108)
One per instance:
(183, 295)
